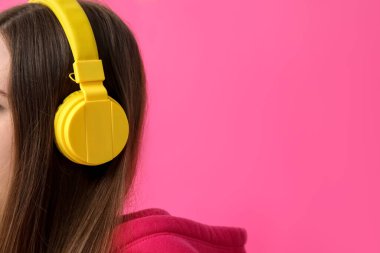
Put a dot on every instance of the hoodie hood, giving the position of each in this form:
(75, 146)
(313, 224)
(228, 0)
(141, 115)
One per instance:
(155, 230)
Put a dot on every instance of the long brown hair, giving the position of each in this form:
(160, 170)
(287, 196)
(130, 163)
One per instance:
(55, 205)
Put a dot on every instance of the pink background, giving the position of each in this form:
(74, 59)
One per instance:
(263, 115)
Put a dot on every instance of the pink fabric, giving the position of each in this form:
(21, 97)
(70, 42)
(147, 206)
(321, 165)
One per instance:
(154, 230)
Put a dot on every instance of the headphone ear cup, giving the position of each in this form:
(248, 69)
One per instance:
(90, 133)
(60, 109)
(61, 115)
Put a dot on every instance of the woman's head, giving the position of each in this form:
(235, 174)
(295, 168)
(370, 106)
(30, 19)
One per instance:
(52, 204)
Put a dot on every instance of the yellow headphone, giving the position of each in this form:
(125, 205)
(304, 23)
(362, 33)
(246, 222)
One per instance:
(90, 127)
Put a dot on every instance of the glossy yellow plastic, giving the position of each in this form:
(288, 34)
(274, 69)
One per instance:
(91, 128)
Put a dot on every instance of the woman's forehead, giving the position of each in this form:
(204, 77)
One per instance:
(4, 66)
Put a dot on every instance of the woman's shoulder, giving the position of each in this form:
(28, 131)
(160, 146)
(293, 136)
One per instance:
(156, 230)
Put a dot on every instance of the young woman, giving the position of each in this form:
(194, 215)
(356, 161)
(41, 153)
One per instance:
(50, 204)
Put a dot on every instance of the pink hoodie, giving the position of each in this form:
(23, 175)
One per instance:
(154, 230)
